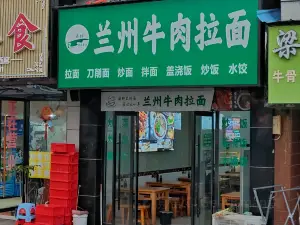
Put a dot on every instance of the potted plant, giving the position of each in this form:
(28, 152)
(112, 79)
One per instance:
(24, 172)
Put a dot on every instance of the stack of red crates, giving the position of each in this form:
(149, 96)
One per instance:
(49, 215)
(64, 178)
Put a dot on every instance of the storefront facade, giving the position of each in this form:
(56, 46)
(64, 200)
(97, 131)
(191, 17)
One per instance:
(161, 111)
(33, 112)
(283, 95)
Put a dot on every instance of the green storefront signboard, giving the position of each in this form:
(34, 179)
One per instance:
(160, 43)
(283, 64)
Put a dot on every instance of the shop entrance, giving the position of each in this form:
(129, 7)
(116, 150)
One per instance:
(168, 169)
(125, 173)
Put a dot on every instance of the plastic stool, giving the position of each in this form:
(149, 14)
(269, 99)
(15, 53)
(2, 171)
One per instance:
(29, 211)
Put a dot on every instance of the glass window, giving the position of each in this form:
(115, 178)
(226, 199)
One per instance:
(234, 147)
(11, 153)
(47, 125)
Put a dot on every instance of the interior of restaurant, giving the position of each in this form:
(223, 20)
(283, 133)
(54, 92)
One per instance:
(173, 169)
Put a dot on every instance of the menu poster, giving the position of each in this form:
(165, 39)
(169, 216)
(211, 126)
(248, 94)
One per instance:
(41, 162)
(156, 131)
(232, 130)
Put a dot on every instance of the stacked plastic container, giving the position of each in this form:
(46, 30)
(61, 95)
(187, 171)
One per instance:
(64, 178)
(49, 215)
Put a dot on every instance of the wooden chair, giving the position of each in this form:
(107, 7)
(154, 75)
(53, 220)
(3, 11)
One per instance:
(143, 210)
(144, 215)
(174, 203)
(177, 206)
(144, 218)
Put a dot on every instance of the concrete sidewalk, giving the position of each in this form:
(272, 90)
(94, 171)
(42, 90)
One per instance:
(7, 222)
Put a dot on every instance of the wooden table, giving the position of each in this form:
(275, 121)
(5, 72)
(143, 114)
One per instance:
(229, 196)
(176, 185)
(184, 179)
(153, 194)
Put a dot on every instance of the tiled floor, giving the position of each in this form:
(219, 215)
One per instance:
(7, 222)
(204, 219)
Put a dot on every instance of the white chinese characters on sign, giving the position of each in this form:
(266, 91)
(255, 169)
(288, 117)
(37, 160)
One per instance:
(37, 66)
(149, 71)
(72, 74)
(213, 69)
(125, 72)
(286, 43)
(209, 28)
(237, 33)
(179, 70)
(98, 73)
(290, 76)
(103, 39)
(129, 34)
(152, 33)
(4, 60)
(180, 31)
(240, 68)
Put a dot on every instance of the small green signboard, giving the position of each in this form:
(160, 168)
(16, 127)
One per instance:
(159, 43)
(283, 64)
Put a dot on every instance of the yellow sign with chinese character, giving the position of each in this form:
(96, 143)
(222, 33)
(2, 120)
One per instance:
(41, 161)
(24, 38)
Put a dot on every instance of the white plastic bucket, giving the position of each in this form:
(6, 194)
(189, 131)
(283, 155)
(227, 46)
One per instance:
(80, 219)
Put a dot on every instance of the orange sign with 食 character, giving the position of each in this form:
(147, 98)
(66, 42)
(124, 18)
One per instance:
(24, 38)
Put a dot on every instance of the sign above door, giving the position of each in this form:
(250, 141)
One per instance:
(168, 101)
(128, 45)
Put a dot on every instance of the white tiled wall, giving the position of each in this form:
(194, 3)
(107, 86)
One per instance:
(290, 10)
(73, 121)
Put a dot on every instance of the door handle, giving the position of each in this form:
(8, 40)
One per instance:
(198, 175)
(119, 171)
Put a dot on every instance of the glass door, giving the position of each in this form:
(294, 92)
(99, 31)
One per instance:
(202, 168)
(125, 161)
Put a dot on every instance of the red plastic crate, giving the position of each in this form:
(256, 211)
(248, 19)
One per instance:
(65, 202)
(35, 223)
(50, 220)
(62, 176)
(64, 158)
(29, 223)
(63, 148)
(64, 167)
(49, 210)
(68, 212)
(63, 193)
(63, 185)
(68, 219)
(68, 216)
